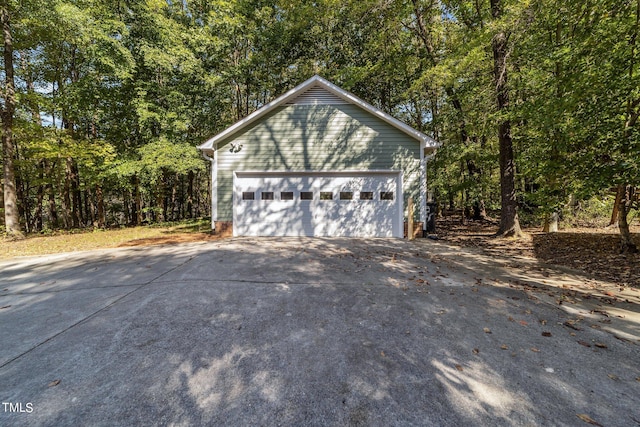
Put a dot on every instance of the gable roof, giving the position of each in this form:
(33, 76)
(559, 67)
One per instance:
(308, 93)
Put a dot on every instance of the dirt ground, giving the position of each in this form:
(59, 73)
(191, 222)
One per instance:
(171, 239)
(593, 250)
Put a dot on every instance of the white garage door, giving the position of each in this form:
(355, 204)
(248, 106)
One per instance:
(354, 204)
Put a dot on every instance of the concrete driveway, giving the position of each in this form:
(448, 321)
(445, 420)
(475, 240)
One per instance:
(312, 332)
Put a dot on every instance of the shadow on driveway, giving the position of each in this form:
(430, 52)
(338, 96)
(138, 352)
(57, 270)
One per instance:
(303, 332)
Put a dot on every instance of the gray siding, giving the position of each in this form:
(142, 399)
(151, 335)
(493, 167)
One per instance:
(316, 137)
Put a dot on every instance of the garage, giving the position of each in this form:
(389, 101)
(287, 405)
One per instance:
(313, 203)
(318, 161)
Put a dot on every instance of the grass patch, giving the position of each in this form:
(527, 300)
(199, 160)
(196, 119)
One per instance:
(82, 240)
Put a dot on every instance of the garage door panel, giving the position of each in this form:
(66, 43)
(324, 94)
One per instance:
(335, 217)
(271, 218)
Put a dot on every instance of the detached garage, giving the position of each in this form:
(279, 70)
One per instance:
(317, 161)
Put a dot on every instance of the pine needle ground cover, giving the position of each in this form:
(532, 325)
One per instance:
(595, 250)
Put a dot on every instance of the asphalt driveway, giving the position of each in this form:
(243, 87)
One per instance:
(312, 332)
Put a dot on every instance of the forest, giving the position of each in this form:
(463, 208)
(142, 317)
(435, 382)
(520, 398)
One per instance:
(536, 102)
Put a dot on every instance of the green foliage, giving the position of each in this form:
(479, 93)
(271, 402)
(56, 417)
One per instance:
(114, 96)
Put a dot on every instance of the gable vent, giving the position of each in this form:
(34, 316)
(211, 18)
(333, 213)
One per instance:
(315, 96)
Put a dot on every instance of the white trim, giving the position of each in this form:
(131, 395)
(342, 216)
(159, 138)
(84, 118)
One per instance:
(341, 93)
(214, 185)
(352, 172)
(400, 231)
(423, 188)
(214, 190)
(396, 218)
(234, 202)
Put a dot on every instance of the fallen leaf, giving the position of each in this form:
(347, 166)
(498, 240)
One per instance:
(543, 322)
(571, 324)
(609, 293)
(6, 306)
(54, 383)
(504, 346)
(486, 330)
(382, 354)
(587, 419)
(459, 368)
(523, 323)
(510, 319)
(584, 343)
(600, 345)
(535, 350)
(476, 351)
(546, 334)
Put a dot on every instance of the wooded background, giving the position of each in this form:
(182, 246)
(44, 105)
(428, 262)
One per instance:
(536, 102)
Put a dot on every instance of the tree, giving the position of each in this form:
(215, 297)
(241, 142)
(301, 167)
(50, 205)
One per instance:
(11, 217)
(509, 224)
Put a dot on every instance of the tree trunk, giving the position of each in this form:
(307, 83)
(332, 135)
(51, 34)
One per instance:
(190, 177)
(125, 206)
(101, 218)
(174, 182)
(76, 209)
(509, 223)
(2, 205)
(66, 195)
(37, 221)
(613, 222)
(22, 195)
(138, 200)
(479, 210)
(626, 203)
(573, 203)
(551, 223)
(11, 216)
(452, 203)
(53, 212)
(161, 206)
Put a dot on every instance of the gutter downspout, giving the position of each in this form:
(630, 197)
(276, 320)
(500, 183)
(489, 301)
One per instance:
(214, 186)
